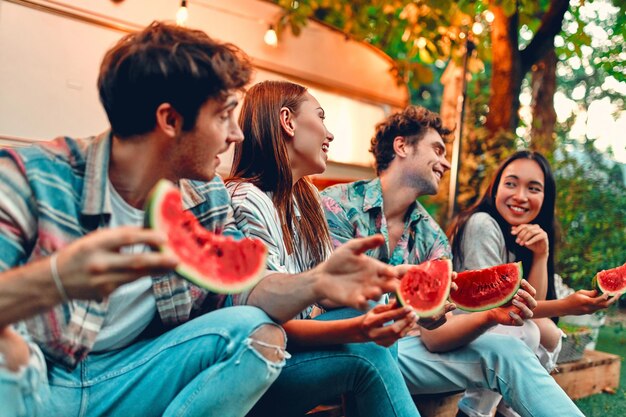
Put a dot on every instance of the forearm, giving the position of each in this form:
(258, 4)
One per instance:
(283, 296)
(459, 330)
(319, 333)
(26, 291)
(538, 276)
(552, 308)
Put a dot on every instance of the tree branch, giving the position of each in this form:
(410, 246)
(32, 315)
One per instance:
(544, 38)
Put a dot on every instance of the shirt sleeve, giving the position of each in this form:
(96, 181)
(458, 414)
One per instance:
(18, 222)
(441, 246)
(483, 244)
(254, 214)
(339, 226)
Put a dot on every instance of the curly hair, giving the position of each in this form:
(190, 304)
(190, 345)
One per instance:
(167, 64)
(412, 123)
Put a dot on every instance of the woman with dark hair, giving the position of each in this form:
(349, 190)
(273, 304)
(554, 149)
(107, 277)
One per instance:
(341, 351)
(514, 221)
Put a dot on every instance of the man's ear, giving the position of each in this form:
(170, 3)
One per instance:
(168, 120)
(400, 147)
(287, 122)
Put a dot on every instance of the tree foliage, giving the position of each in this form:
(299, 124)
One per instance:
(591, 208)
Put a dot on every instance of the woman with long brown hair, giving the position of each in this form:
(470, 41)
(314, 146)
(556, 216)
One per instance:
(286, 140)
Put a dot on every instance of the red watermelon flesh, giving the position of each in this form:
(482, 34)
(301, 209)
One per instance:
(426, 286)
(488, 288)
(212, 261)
(611, 281)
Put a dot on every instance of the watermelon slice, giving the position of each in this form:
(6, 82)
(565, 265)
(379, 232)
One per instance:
(611, 281)
(215, 262)
(488, 288)
(426, 286)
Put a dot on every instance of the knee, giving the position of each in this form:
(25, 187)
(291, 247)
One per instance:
(550, 334)
(269, 340)
(505, 349)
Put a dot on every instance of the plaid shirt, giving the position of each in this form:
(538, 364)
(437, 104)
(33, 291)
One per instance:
(55, 193)
(356, 210)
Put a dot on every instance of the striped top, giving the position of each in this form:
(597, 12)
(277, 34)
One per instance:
(54, 193)
(356, 210)
(256, 216)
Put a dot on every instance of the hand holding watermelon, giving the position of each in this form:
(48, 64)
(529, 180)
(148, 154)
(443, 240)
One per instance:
(93, 266)
(586, 302)
(375, 327)
(519, 309)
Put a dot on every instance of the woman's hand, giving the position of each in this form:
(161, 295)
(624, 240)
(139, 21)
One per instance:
(587, 302)
(533, 237)
(386, 323)
(519, 309)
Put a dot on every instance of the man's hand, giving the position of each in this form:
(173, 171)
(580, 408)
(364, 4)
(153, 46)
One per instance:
(14, 349)
(93, 266)
(350, 278)
(519, 309)
(399, 321)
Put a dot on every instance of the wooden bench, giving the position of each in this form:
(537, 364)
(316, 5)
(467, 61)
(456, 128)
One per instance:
(429, 405)
(596, 372)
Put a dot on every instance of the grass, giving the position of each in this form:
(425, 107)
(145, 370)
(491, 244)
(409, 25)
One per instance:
(612, 339)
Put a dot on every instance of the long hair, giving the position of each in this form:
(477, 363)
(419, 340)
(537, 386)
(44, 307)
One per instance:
(262, 159)
(487, 204)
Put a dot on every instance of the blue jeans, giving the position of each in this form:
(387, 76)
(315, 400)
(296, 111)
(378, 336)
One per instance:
(500, 363)
(206, 367)
(368, 372)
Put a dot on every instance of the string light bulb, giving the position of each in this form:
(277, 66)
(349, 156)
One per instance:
(489, 16)
(182, 14)
(477, 28)
(271, 38)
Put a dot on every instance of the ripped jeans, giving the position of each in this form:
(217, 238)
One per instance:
(209, 366)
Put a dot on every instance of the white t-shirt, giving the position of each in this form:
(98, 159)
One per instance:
(132, 306)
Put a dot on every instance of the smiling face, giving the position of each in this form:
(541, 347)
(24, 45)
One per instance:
(520, 194)
(426, 163)
(310, 140)
(196, 152)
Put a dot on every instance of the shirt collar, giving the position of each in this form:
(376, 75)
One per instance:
(373, 195)
(96, 199)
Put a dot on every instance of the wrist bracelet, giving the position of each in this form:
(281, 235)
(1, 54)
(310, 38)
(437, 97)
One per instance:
(57, 279)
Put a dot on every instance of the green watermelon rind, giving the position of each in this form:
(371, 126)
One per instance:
(503, 301)
(440, 306)
(152, 220)
(595, 284)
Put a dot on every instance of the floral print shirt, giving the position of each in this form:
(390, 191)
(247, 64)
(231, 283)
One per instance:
(356, 210)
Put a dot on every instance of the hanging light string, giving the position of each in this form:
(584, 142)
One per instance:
(270, 37)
